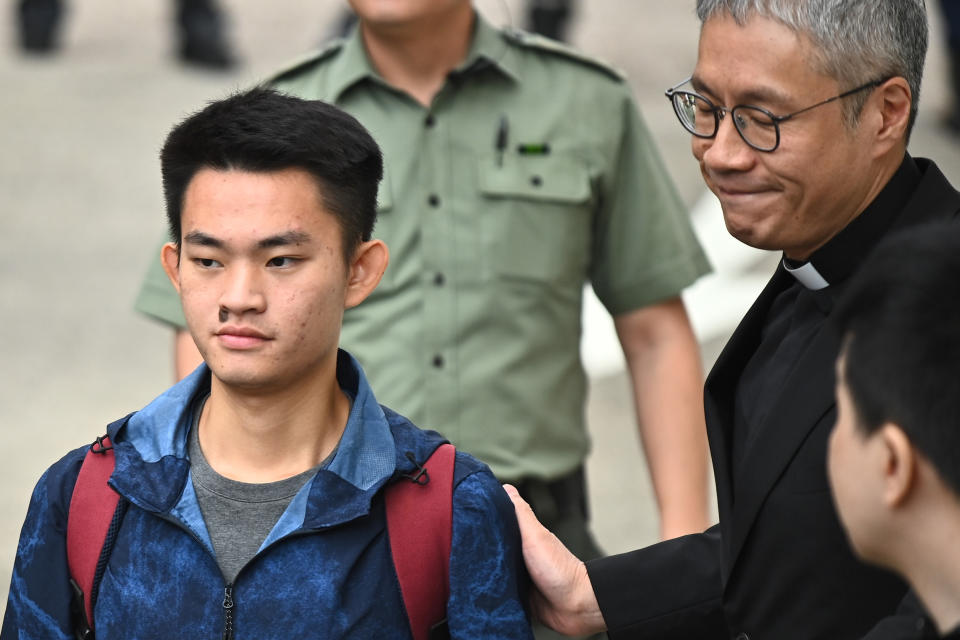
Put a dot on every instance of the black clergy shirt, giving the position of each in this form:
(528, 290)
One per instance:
(798, 312)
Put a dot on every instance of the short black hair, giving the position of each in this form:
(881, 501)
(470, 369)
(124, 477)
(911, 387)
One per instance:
(262, 130)
(900, 323)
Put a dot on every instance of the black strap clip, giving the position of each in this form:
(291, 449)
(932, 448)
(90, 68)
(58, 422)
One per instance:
(421, 477)
(99, 447)
(81, 626)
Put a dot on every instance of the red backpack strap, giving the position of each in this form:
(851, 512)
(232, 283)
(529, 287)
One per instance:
(420, 526)
(92, 507)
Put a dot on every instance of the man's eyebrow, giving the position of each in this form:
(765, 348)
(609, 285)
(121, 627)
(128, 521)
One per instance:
(699, 85)
(202, 239)
(284, 240)
(762, 95)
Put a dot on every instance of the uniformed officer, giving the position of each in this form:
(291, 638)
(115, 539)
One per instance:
(550, 18)
(516, 169)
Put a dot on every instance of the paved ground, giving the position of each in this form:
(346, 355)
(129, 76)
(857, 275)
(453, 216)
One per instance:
(80, 211)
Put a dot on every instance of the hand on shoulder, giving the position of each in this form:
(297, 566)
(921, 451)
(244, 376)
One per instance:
(562, 596)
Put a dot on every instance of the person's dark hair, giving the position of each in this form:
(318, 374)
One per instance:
(900, 323)
(261, 130)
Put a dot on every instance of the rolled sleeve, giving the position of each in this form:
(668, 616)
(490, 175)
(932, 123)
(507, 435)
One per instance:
(645, 249)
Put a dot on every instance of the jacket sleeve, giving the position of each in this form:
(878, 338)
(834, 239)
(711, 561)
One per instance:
(38, 606)
(669, 590)
(487, 574)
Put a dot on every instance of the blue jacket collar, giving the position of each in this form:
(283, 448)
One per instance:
(152, 469)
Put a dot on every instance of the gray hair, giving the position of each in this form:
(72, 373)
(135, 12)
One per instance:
(856, 41)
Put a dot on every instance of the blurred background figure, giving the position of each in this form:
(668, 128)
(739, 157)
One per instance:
(550, 18)
(200, 29)
(951, 14)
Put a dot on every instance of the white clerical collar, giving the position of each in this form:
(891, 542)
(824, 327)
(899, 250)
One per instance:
(808, 276)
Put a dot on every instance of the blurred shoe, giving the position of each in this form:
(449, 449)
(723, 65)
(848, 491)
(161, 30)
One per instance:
(203, 42)
(549, 18)
(209, 54)
(549, 23)
(39, 22)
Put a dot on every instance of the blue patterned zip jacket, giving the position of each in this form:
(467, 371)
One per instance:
(325, 571)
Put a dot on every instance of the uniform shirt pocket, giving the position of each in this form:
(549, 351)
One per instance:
(537, 221)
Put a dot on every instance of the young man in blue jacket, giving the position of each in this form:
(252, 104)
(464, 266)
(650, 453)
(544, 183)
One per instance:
(255, 487)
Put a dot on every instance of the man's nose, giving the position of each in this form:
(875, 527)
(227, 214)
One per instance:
(242, 291)
(727, 150)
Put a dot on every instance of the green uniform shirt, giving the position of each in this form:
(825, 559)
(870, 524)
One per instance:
(530, 173)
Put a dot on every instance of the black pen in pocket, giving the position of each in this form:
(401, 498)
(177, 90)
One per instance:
(500, 142)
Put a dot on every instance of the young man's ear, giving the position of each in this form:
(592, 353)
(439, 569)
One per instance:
(900, 465)
(170, 259)
(366, 269)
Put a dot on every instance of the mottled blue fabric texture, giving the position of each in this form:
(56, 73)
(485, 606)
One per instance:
(325, 571)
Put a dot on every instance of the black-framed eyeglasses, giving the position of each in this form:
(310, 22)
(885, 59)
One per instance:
(758, 127)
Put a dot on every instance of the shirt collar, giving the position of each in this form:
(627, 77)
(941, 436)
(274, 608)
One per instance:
(351, 66)
(806, 274)
(487, 49)
(835, 261)
(366, 453)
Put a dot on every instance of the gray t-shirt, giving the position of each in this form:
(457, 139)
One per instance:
(239, 515)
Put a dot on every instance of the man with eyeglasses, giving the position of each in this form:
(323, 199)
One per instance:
(800, 113)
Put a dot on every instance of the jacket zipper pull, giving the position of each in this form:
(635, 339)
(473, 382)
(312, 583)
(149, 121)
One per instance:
(227, 613)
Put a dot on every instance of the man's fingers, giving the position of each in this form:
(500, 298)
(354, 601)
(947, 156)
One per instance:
(519, 504)
(531, 531)
(563, 597)
(515, 496)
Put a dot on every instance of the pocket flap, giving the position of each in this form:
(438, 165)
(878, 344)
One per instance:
(548, 177)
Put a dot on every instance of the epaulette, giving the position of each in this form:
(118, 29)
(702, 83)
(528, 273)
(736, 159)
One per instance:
(305, 61)
(540, 43)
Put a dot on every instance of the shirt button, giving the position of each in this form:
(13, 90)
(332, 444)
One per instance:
(429, 121)
(438, 361)
(439, 279)
(433, 200)
(536, 181)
